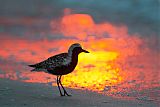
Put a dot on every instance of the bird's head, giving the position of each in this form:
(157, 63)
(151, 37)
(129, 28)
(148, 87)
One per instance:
(76, 48)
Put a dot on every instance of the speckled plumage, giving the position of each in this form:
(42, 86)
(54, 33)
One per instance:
(60, 60)
(60, 64)
(52, 62)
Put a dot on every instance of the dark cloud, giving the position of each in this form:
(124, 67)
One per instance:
(36, 8)
(141, 16)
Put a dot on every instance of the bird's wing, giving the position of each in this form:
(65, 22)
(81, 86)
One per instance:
(51, 62)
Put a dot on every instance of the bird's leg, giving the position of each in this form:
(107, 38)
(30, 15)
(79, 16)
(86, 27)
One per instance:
(59, 86)
(65, 92)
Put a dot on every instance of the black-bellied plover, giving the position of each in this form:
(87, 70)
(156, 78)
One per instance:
(61, 64)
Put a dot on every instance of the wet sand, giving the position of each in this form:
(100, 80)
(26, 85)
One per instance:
(20, 94)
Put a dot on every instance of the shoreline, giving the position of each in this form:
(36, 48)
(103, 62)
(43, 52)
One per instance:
(20, 94)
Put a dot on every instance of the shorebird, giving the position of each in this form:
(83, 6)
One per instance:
(60, 64)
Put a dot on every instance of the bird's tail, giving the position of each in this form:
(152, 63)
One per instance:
(33, 70)
(31, 65)
(37, 69)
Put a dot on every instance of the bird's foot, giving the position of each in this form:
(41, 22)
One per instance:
(62, 95)
(67, 94)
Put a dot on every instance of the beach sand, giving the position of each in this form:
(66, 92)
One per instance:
(20, 94)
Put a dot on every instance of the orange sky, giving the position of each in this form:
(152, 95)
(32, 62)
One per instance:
(115, 55)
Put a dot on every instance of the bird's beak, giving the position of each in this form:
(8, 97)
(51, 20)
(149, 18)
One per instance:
(84, 51)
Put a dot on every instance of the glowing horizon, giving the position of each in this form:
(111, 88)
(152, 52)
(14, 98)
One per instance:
(113, 57)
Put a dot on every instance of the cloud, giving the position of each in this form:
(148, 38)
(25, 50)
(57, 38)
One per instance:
(114, 57)
(144, 21)
(82, 25)
(28, 50)
(117, 55)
